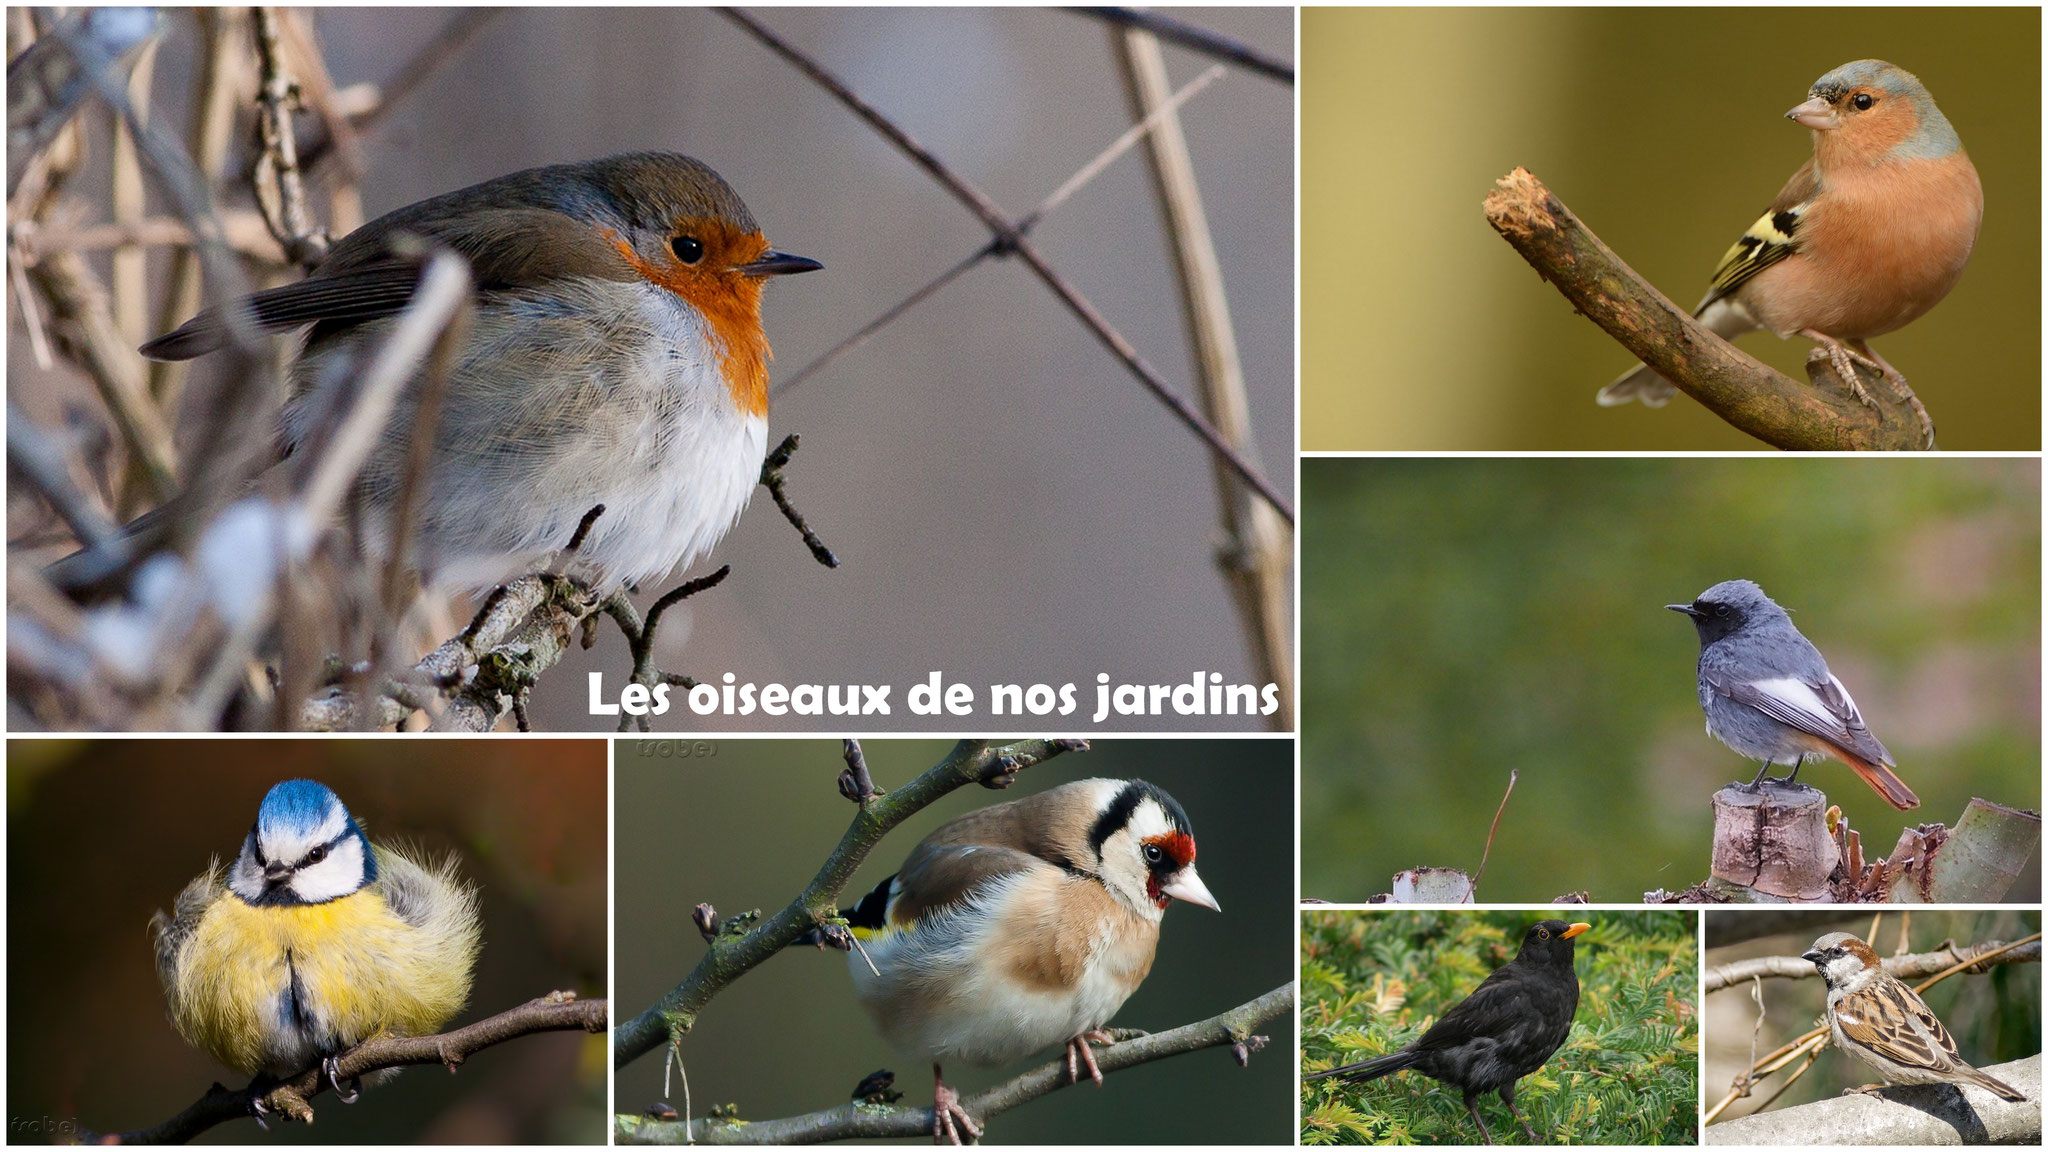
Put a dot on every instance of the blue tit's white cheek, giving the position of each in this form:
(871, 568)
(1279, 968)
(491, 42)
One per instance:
(341, 872)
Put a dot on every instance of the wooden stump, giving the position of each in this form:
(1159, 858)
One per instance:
(1773, 843)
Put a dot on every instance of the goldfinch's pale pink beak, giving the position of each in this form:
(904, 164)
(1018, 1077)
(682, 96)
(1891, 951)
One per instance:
(1817, 114)
(1187, 886)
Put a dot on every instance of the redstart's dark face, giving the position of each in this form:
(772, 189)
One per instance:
(1713, 618)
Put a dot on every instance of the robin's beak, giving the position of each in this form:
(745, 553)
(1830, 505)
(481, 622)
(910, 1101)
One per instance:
(1574, 930)
(1688, 609)
(1816, 114)
(773, 263)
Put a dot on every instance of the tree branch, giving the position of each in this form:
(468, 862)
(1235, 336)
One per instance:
(863, 1120)
(1765, 403)
(747, 941)
(555, 1012)
(1916, 966)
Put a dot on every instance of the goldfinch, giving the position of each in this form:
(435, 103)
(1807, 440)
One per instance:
(1021, 926)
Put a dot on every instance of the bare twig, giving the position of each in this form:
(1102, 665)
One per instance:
(1912, 967)
(1765, 403)
(1491, 831)
(970, 762)
(863, 1119)
(556, 1012)
(280, 190)
(1256, 556)
(773, 479)
(1007, 233)
(1195, 39)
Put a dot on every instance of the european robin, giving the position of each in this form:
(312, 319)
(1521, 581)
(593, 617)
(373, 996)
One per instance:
(615, 357)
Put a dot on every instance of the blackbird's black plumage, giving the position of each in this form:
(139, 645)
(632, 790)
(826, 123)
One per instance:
(1503, 1031)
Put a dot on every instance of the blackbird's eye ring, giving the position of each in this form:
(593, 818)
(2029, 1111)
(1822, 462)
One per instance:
(688, 249)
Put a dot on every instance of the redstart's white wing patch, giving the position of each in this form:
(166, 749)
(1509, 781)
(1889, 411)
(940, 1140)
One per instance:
(1824, 710)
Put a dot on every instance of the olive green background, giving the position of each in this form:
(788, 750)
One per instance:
(1468, 617)
(1664, 130)
(744, 824)
(100, 834)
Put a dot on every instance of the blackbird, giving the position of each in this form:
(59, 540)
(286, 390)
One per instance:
(1503, 1031)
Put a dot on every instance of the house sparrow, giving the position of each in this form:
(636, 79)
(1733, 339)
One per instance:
(1021, 926)
(1503, 1031)
(1877, 1019)
(1768, 694)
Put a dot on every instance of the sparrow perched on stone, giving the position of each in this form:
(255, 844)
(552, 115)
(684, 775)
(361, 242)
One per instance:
(1503, 1031)
(1022, 926)
(1876, 1018)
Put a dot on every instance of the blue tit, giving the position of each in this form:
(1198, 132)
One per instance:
(313, 941)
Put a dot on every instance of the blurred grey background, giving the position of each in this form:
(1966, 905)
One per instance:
(1663, 128)
(744, 824)
(1469, 617)
(1010, 506)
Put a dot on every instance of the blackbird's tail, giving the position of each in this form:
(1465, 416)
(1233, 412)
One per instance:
(1371, 1069)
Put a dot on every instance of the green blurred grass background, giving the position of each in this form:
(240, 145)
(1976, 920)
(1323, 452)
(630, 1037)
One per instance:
(1465, 617)
(1664, 130)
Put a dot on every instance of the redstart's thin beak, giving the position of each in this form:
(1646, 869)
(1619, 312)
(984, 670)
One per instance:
(1574, 930)
(1688, 609)
(773, 263)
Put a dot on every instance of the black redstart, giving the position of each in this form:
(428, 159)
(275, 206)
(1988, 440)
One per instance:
(1768, 694)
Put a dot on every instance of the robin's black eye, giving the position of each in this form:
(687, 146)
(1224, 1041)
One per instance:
(1153, 855)
(317, 855)
(688, 249)
(1861, 101)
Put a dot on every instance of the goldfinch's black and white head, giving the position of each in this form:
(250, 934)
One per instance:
(1143, 845)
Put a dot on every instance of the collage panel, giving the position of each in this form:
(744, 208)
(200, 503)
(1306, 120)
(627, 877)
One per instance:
(1909, 1027)
(1576, 178)
(878, 353)
(1128, 885)
(1491, 646)
(1571, 1026)
(291, 922)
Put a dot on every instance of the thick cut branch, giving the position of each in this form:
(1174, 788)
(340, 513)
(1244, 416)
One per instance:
(970, 762)
(1765, 403)
(1924, 1114)
(555, 1012)
(862, 1120)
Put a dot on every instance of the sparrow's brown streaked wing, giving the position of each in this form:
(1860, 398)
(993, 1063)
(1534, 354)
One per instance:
(1892, 1022)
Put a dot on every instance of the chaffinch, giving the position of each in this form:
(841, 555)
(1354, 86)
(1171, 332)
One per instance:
(1864, 239)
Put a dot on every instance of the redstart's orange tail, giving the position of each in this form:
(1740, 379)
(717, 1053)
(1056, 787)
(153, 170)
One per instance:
(1882, 781)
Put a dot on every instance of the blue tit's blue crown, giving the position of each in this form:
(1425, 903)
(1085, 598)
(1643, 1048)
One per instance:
(297, 808)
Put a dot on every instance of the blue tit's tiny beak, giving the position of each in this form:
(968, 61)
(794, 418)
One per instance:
(773, 263)
(274, 872)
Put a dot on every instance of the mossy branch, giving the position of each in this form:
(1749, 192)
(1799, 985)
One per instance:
(816, 907)
(863, 1120)
(1740, 389)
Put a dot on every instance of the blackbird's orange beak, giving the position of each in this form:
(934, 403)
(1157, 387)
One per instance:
(1574, 930)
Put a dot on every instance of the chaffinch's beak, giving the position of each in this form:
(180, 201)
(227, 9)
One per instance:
(1186, 885)
(1816, 114)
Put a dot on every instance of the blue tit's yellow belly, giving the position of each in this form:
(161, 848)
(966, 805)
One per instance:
(276, 988)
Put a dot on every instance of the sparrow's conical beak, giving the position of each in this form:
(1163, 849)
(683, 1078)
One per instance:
(1186, 885)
